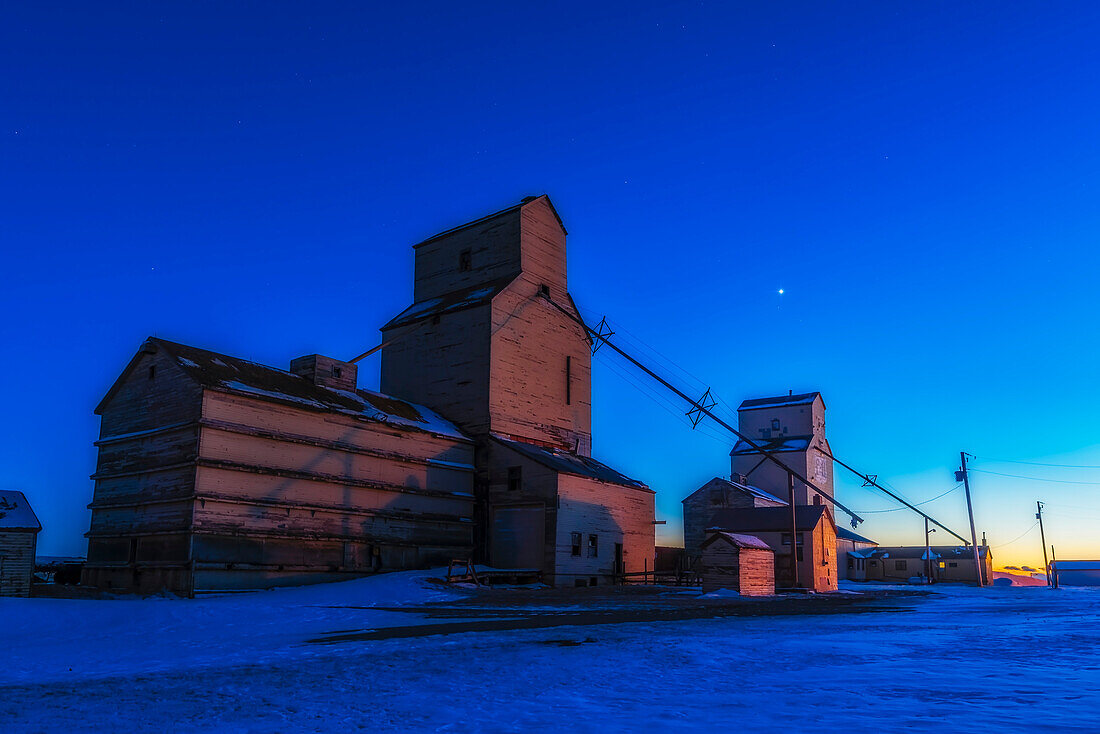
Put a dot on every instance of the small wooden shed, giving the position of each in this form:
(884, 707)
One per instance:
(19, 529)
(741, 563)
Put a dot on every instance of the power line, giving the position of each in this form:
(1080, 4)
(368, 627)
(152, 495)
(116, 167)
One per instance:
(1034, 479)
(1018, 537)
(917, 504)
(1038, 463)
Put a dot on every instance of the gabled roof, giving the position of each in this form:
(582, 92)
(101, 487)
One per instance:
(230, 374)
(736, 539)
(567, 462)
(939, 552)
(767, 519)
(773, 445)
(846, 534)
(459, 300)
(16, 512)
(780, 401)
(738, 487)
(495, 215)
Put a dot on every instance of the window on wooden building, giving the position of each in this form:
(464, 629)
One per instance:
(465, 260)
(951, 565)
(337, 371)
(515, 478)
(575, 541)
(593, 546)
(899, 565)
(785, 539)
(152, 371)
(775, 424)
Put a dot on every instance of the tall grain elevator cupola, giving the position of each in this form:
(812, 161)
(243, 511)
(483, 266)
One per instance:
(481, 346)
(792, 426)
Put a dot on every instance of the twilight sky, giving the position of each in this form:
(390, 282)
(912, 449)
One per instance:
(922, 180)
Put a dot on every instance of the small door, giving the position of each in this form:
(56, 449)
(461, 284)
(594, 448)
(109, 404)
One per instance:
(620, 564)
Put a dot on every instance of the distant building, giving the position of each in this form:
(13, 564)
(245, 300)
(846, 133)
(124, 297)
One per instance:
(947, 563)
(815, 542)
(793, 428)
(719, 494)
(1076, 573)
(19, 528)
(740, 563)
(852, 552)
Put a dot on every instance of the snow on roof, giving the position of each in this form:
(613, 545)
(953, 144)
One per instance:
(221, 372)
(568, 462)
(464, 298)
(16, 512)
(738, 486)
(738, 539)
(772, 445)
(780, 401)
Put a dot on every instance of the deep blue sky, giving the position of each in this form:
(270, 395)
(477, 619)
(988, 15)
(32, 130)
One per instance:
(921, 178)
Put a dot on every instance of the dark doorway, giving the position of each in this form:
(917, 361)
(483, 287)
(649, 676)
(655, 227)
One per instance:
(620, 565)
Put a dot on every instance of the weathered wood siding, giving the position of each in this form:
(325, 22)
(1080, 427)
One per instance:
(518, 367)
(615, 514)
(283, 492)
(538, 488)
(535, 350)
(748, 571)
(794, 420)
(144, 480)
(444, 366)
(494, 246)
(16, 561)
(700, 506)
(817, 569)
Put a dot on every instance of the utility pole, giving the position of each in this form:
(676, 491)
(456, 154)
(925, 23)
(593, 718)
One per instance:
(794, 530)
(970, 510)
(1043, 538)
(1054, 565)
(927, 554)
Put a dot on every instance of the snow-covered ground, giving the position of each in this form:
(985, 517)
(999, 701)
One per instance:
(993, 660)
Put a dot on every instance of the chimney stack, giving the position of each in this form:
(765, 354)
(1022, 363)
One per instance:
(326, 371)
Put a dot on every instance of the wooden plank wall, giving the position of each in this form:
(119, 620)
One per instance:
(539, 487)
(283, 492)
(494, 253)
(16, 562)
(527, 393)
(144, 480)
(699, 508)
(748, 571)
(444, 366)
(616, 514)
